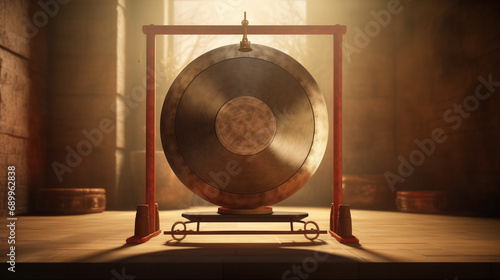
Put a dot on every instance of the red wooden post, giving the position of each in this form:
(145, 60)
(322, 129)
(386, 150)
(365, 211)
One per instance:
(342, 237)
(150, 130)
(337, 126)
(152, 222)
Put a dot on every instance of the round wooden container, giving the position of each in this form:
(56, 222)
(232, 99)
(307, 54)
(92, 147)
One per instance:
(64, 201)
(422, 201)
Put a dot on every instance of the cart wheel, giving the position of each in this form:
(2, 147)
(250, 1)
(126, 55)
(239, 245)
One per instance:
(179, 236)
(317, 230)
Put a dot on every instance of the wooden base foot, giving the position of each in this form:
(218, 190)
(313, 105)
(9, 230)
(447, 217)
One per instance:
(142, 239)
(345, 239)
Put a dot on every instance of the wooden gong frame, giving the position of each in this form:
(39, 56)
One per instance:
(336, 31)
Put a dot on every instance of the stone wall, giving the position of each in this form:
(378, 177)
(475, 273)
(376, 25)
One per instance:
(64, 101)
(445, 51)
(23, 106)
(85, 134)
(411, 62)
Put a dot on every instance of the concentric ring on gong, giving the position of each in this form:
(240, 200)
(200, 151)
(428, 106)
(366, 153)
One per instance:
(244, 129)
(245, 125)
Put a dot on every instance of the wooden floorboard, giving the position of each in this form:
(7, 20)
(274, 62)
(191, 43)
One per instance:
(393, 245)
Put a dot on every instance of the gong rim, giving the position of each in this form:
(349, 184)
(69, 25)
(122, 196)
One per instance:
(174, 115)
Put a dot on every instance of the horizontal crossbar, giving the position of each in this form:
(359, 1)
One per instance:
(238, 29)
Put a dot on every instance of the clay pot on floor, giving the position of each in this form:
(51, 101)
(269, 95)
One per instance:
(431, 202)
(68, 201)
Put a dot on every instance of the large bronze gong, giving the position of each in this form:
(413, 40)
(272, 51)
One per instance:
(244, 129)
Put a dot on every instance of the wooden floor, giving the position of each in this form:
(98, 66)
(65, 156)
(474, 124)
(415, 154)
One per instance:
(393, 246)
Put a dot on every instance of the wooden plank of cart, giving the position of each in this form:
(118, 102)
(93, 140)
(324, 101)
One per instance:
(275, 217)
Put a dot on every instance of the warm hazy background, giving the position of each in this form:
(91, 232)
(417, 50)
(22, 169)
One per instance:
(66, 67)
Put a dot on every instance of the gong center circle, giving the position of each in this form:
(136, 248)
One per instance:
(245, 125)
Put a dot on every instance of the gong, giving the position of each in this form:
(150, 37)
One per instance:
(244, 129)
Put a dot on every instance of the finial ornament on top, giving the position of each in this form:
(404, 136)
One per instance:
(244, 43)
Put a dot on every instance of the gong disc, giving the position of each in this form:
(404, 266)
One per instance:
(244, 129)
